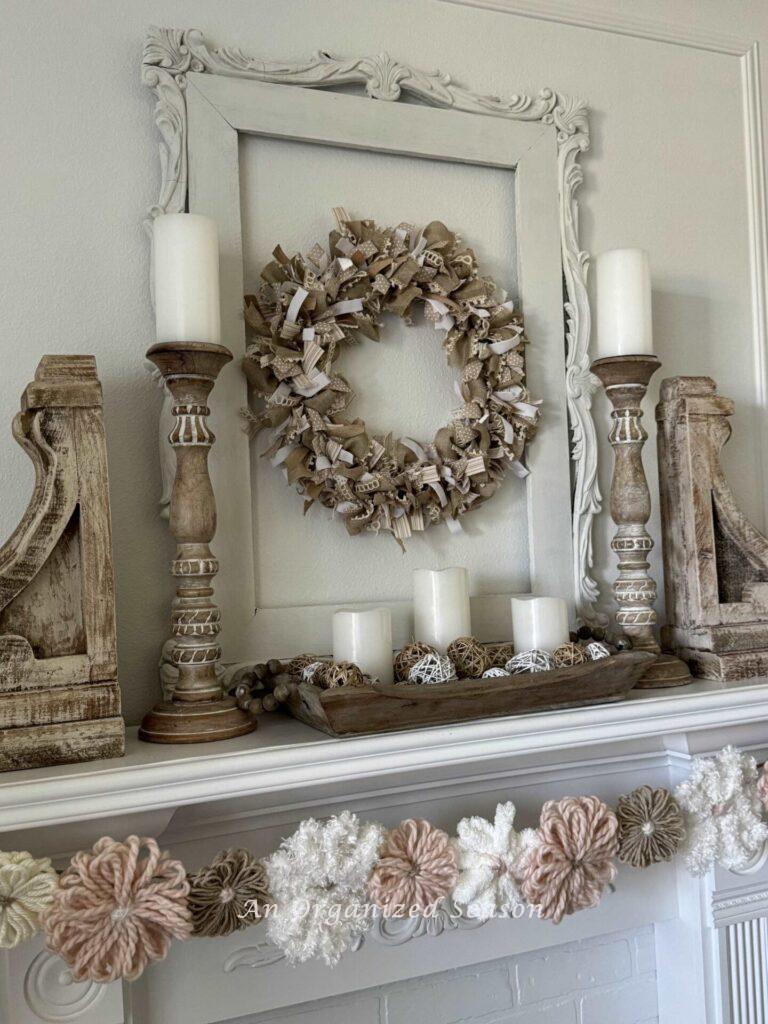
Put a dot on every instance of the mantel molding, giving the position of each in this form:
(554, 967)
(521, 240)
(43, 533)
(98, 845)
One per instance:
(289, 757)
(171, 54)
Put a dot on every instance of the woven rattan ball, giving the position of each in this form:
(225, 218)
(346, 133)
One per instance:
(340, 673)
(432, 669)
(500, 654)
(568, 654)
(311, 673)
(406, 658)
(529, 661)
(494, 672)
(596, 650)
(296, 665)
(469, 657)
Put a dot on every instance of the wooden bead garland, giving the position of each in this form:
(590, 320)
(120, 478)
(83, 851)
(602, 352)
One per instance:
(340, 673)
(530, 661)
(469, 657)
(408, 656)
(567, 655)
(432, 669)
(596, 650)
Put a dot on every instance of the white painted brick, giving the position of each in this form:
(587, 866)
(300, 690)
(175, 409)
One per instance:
(626, 1004)
(572, 969)
(446, 998)
(543, 1013)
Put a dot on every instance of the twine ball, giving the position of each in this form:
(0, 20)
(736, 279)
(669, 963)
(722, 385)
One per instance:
(469, 657)
(651, 826)
(408, 656)
(296, 666)
(340, 673)
(567, 655)
(117, 908)
(311, 673)
(529, 661)
(228, 894)
(432, 669)
(596, 650)
(494, 672)
(500, 654)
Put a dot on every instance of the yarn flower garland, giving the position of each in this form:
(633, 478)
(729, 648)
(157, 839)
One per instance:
(228, 894)
(490, 857)
(318, 880)
(723, 811)
(571, 863)
(310, 307)
(116, 909)
(27, 886)
(415, 870)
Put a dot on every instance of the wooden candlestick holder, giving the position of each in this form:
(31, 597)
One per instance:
(625, 379)
(197, 712)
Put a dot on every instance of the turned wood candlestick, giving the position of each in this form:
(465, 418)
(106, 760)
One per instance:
(198, 711)
(626, 379)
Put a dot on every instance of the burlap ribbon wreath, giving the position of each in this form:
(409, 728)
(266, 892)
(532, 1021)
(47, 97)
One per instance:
(309, 307)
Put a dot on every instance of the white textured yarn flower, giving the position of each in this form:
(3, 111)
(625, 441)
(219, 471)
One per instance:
(489, 855)
(318, 880)
(722, 808)
(27, 886)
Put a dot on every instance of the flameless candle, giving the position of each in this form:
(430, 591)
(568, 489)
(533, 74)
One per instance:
(186, 255)
(623, 281)
(365, 639)
(441, 606)
(539, 623)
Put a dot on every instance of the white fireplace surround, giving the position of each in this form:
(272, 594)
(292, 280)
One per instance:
(252, 791)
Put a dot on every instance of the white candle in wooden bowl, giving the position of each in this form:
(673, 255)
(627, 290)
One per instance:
(186, 255)
(539, 623)
(441, 606)
(365, 639)
(623, 285)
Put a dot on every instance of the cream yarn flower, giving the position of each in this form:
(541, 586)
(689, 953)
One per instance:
(318, 880)
(490, 856)
(723, 811)
(27, 886)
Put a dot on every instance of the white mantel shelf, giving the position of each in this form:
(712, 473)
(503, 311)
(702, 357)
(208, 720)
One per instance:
(285, 755)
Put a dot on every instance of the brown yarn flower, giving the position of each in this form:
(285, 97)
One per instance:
(571, 863)
(228, 894)
(116, 909)
(650, 826)
(415, 869)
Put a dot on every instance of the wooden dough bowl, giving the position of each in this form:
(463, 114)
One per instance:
(349, 711)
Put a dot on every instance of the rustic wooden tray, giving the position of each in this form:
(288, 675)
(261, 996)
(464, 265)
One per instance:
(388, 708)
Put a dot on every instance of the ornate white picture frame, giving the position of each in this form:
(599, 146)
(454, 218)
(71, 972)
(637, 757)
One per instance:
(208, 93)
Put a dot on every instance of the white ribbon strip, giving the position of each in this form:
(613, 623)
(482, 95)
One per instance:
(296, 303)
(281, 455)
(318, 382)
(415, 447)
(347, 306)
(518, 469)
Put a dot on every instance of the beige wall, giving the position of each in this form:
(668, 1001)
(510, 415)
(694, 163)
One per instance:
(666, 171)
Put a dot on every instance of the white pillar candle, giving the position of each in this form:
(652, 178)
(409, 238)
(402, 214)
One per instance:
(365, 639)
(623, 282)
(539, 623)
(441, 606)
(186, 255)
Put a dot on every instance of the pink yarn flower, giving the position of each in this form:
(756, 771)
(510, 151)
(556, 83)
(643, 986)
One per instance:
(762, 786)
(415, 869)
(571, 864)
(116, 910)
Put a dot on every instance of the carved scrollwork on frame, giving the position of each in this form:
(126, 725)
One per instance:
(170, 54)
